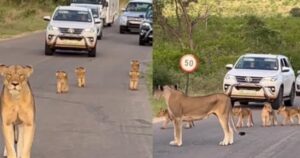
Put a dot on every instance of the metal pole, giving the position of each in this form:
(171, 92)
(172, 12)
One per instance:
(187, 84)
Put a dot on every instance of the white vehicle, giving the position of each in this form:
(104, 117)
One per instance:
(72, 28)
(96, 13)
(261, 77)
(134, 14)
(298, 83)
(108, 9)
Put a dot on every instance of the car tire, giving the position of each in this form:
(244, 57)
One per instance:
(244, 102)
(290, 102)
(48, 51)
(92, 52)
(100, 36)
(278, 101)
(122, 30)
(141, 41)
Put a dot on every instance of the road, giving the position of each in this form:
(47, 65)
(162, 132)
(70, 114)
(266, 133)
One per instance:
(202, 141)
(104, 119)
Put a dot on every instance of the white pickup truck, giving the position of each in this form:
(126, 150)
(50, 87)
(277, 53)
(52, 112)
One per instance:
(261, 77)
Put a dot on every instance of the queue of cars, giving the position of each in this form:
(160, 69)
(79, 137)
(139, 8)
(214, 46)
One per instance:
(138, 14)
(262, 77)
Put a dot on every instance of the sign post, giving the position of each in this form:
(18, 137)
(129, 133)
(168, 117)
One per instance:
(188, 64)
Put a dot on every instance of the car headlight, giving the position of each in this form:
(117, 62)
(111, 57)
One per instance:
(229, 77)
(89, 30)
(145, 26)
(52, 28)
(271, 79)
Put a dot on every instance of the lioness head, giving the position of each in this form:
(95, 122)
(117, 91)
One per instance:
(61, 75)
(15, 77)
(80, 71)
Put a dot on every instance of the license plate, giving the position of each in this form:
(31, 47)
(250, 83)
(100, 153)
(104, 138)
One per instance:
(134, 22)
(71, 42)
(248, 92)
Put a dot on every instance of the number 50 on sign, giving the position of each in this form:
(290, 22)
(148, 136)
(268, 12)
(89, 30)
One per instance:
(189, 63)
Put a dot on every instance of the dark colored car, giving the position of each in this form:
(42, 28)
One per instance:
(146, 28)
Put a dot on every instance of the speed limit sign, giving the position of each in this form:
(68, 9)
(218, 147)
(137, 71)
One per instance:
(189, 63)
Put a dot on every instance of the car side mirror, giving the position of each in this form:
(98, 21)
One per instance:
(47, 18)
(229, 66)
(95, 16)
(285, 69)
(97, 21)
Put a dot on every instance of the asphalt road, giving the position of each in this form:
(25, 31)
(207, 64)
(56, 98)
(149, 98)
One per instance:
(202, 141)
(104, 119)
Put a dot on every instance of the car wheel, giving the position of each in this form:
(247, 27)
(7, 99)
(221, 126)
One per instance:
(122, 30)
(278, 101)
(244, 102)
(100, 36)
(290, 102)
(48, 50)
(141, 41)
(92, 52)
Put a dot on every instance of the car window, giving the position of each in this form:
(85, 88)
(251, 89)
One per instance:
(95, 12)
(258, 63)
(87, 1)
(137, 7)
(149, 14)
(286, 63)
(72, 15)
(282, 63)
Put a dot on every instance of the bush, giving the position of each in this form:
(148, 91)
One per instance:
(295, 12)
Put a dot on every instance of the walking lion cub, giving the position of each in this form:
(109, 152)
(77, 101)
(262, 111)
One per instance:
(62, 82)
(80, 73)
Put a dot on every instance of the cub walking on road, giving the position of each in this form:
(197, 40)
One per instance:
(62, 82)
(164, 113)
(134, 80)
(289, 113)
(80, 73)
(17, 111)
(242, 114)
(268, 116)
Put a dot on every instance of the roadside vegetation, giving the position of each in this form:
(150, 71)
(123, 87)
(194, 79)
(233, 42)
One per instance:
(233, 28)
(20, 16)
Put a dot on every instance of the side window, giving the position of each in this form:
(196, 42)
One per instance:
(286, 63)
(282, 63)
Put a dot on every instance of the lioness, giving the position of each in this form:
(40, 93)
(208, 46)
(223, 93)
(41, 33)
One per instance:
(62, 82)
(198, 108)
(135, 65)
(268, 116)
(289, 113)
(80, 73)
(134, 80)
(17, 110)
(243, 113)
(164, 113)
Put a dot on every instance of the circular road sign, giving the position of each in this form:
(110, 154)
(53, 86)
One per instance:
(189, 63)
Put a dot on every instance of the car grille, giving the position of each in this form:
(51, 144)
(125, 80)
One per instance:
(248, 79)
(71, 30)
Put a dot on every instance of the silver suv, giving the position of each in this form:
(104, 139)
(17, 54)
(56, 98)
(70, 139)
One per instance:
(261, 77)
(71, 28)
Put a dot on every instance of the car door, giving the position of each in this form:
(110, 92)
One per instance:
(287, 77)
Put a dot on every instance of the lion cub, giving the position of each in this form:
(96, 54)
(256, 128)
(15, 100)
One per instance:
(80, 73)
(135, 65)
(62, 82)
(268, 116)
(289, 113)
(164, 113)
(134, 80)
(243, 113)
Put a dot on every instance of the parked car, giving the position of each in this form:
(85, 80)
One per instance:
(298, 83)
(72, 28)
(261, 77)
(146, 30)
(95, 10)
(108, 9)
(133, 15)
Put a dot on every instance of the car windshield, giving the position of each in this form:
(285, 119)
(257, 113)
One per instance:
(95, 13)
(258, 63)
(137, 7)
(149, 14)
(72, 15)
(87, 1)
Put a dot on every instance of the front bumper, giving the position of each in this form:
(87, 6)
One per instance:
(64, 41)
(251, 92)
